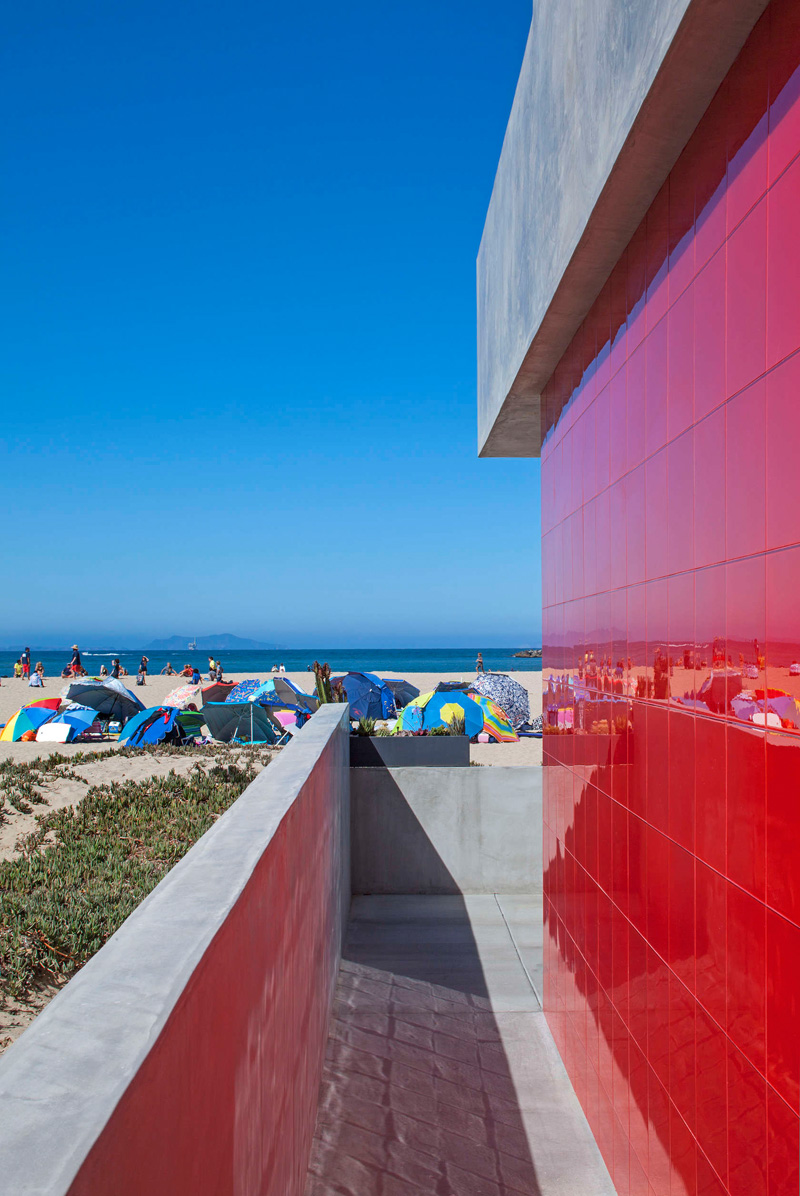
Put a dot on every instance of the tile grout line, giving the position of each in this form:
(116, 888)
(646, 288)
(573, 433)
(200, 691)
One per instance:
(518, 952)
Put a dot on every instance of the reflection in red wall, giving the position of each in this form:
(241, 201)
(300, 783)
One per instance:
(671, 553)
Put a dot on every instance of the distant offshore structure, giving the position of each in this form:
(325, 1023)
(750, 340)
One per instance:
(529, 652)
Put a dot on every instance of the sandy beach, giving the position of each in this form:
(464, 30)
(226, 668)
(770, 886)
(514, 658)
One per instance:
(14, 694)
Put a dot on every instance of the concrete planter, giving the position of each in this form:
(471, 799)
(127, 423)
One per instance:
(421, 751)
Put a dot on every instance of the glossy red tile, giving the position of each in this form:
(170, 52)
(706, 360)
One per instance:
(681, 914)
(682, 768)
(783, 825)
(746, 951)
(680, 489)
(656, 513)
(709, 489)
(746, 808)
(747, 1127)
(783, 1007)
(680, 395)
(783, 1147)
(783, 267)
(710, 380)
(782, 431)
(748, 126)
(711, 1091)
(656, 387)
(746, 299)
(745, 485)
(711, 919)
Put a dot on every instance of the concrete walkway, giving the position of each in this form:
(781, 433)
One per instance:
(441, 1075)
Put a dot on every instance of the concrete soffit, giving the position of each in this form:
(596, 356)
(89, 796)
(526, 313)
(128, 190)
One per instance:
(706, 43)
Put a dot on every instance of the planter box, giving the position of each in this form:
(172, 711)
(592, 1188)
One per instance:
(422, 751)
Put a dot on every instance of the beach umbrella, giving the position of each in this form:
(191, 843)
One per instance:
(442, 708)
(157, 724)
(369, 697)
(404, 692)
(28, 718)
(109, 698)
(183, 696)
(510, 696)
(281, 690)
(495, 722)
(242, 691)
(78, 718)
(49, 703)
(446, 687)
(438, 709)
(240, 722)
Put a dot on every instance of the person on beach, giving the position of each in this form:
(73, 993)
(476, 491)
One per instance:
(218, 671)
(479, 663)
(18, 668)
(37, 677)
(196, 678)
(212, 668)
(115, 668)
(25, 661)
(75, 663)
(168, 671)
(140, 676)
(186, 671)
(103, 671)
(143, 663)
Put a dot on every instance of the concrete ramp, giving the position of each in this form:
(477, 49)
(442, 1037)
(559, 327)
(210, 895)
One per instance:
(441, 1076)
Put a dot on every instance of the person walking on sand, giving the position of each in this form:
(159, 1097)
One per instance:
(479, 663)
(115, 668)
(143, 663)
(25, 661)
(75, 663)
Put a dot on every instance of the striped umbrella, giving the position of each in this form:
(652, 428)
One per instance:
(495, 722)
(29, 718)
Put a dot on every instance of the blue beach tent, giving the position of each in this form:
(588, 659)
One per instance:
(156, 725)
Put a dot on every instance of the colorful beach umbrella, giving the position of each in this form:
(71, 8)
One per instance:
(495, 722)
(49, 703)
(242, 691)
(438, 710)
(28, 718)
(183, 696)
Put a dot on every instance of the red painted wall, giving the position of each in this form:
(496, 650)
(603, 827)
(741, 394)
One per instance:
(225, 1103)
(671, 561)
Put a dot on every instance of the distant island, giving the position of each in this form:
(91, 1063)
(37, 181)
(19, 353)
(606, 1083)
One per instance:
(208, 643)
(526, 652)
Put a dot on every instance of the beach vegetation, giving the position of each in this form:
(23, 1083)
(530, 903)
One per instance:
(84, 870)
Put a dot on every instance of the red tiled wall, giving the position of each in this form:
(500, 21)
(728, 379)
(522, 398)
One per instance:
(671, 553)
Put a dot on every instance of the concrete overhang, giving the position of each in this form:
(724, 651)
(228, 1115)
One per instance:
(609, 94)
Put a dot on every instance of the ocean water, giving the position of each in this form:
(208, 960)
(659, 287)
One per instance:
(389, 662)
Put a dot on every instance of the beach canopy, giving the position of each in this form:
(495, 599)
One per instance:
(240, 722)
(27, 719)
(109, 698)
(217, 691)
(495, 723)
(438, 710)
(161, 724)
(404, 692)
(510, 696)
(369, 697)
(242, 691)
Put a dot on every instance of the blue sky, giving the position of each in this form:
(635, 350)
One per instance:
(238, 324)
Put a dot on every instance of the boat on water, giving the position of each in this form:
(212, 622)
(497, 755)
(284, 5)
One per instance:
(192, 645)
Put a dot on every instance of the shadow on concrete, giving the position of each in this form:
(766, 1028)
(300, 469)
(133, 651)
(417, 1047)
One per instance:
(417, 1094)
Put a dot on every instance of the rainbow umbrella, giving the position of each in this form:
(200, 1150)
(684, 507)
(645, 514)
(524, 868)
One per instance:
(495, 722)
(412, 715)
(50, 703)
(28, 718)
